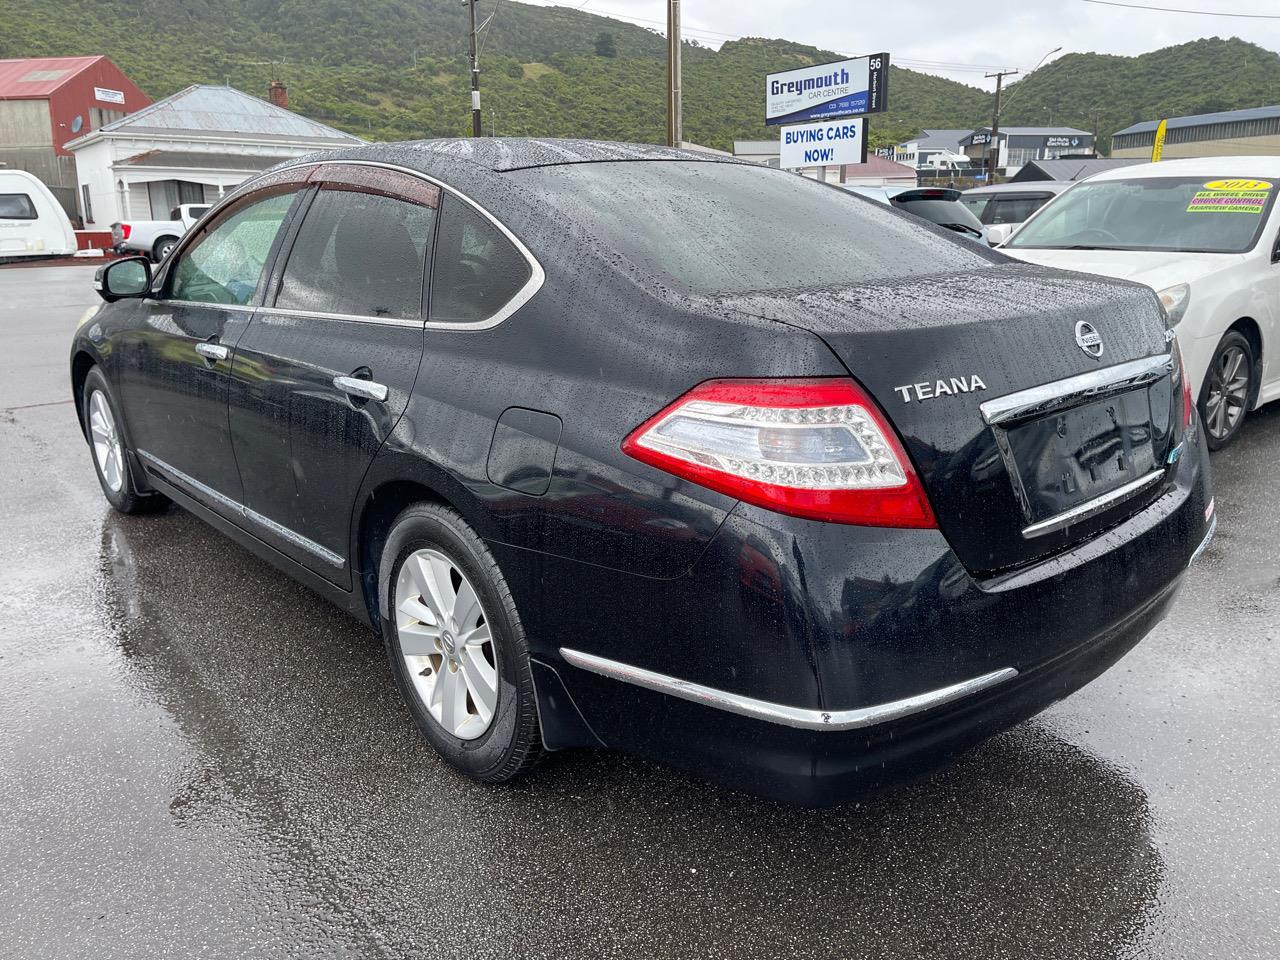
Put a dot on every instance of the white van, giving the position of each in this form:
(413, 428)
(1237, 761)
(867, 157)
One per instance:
(32, 223)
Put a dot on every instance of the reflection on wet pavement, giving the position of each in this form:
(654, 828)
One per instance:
(199, 757)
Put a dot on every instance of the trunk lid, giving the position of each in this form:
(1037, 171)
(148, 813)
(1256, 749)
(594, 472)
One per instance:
(1013, 475)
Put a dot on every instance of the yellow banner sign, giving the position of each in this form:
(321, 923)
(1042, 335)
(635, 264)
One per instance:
(1157, 148)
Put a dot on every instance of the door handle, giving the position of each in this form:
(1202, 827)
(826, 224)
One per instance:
(364, 389)
(212, 351)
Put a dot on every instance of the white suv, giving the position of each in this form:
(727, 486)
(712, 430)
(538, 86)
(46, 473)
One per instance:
(1203, 234)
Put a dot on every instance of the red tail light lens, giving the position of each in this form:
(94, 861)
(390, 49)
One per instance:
(1188, 403)
(817, 448)
(125, 230)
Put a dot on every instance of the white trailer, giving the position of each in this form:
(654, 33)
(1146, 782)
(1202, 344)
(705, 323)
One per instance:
(32, 223)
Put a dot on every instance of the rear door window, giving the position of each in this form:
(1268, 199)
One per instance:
(477, 269)
(360, 254)
(1015, 209)
(16, 206)
(225, 264)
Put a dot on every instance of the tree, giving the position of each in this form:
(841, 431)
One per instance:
(605, 45)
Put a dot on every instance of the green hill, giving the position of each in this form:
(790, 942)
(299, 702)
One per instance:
(397, 69)
(1084, 89)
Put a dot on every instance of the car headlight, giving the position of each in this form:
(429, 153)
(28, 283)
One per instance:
(1175, 301)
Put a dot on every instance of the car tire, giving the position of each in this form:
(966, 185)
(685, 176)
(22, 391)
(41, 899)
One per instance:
(163, 247)
(1227, 390)
(109, 450)
(431, 552)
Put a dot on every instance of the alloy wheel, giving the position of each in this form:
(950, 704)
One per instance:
(447, 644)
(107, 449)
(1228, 392)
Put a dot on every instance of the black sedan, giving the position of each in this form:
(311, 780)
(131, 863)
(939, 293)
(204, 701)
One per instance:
(625, 446)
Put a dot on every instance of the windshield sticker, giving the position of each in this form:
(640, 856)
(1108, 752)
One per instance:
(1231, 196)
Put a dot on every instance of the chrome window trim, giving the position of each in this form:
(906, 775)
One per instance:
(235, 506)
(242, 308)
(341, 317)
(1074, 391)
(1087, 509)
(799, 717)
(537, 276)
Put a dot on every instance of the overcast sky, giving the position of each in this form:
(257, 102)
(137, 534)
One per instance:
(970, 38)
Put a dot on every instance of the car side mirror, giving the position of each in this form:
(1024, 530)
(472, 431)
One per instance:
(998, 233)
(122, 279)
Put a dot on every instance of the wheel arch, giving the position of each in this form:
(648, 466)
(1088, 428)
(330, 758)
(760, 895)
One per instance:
(81, 364)
(1251, 330)
(379, 508)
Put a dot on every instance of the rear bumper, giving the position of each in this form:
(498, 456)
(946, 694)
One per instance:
(815, 662)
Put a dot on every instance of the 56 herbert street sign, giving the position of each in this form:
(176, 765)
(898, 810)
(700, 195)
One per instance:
(824, 91)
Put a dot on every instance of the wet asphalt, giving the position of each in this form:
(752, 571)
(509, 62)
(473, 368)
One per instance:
(198, 757)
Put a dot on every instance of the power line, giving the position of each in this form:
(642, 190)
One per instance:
(1198, 13)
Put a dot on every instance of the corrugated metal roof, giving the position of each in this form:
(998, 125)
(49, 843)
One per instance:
(878, 166)
(756, 146)
(934, 139)
(202, 109)
(1069, 169)
(1204, 119)
(37, 77)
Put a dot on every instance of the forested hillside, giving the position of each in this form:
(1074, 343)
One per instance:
(396, 69)
(1081, 89)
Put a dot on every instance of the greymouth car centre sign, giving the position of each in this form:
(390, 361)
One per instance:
(824, 91)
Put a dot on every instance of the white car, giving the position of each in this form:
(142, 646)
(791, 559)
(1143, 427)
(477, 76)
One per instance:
(155, 238)
(1203, 234)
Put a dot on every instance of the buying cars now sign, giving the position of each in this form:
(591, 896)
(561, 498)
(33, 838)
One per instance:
(831, 142)
(845, 88)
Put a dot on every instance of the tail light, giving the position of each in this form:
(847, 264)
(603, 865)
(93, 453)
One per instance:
(1188, 403)
(817, 448)
(125, 230)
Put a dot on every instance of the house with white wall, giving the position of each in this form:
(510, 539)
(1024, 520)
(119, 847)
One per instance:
(192, 147)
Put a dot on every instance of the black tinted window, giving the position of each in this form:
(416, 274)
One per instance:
(1015, 209)
(361, 254)
(477, 268)
(16, 206)
(728, 228)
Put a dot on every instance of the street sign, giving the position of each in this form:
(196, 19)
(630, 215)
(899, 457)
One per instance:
(829, 143)
(845, 88)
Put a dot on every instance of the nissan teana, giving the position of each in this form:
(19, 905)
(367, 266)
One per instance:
(624, 446)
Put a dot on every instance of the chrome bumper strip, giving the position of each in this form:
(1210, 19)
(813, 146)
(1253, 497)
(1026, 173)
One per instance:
(1204, 544)
(1089, 508)
(236, 507)
(803, 718)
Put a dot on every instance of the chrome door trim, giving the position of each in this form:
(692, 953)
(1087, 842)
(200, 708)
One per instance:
(365, 389)
(799, 717)
(238, 508)
(1087, 509)
(537, 276)
(1074, 391)
(240, 308)
(339, 317)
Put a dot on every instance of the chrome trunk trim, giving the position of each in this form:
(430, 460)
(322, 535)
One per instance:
(800, 717)
(1089, 508)
(1074, 391)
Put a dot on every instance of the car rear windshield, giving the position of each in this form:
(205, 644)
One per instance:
(948, 213)
(1181, 214)
(733, 228)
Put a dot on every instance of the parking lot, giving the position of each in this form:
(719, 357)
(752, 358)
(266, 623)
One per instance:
(198, 757)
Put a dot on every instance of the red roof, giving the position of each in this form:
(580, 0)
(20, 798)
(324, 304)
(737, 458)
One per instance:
(38, 77)
(878, 166)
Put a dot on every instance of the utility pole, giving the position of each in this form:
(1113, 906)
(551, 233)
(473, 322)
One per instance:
(994, 147)
(675, 123)
(476, 123)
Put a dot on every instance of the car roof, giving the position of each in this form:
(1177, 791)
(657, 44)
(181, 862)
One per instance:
(1027, 186)
(499, 154)
(1217, 167)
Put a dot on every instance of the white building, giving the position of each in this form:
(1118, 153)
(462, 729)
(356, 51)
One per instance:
(191, 147)
(933, 148)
